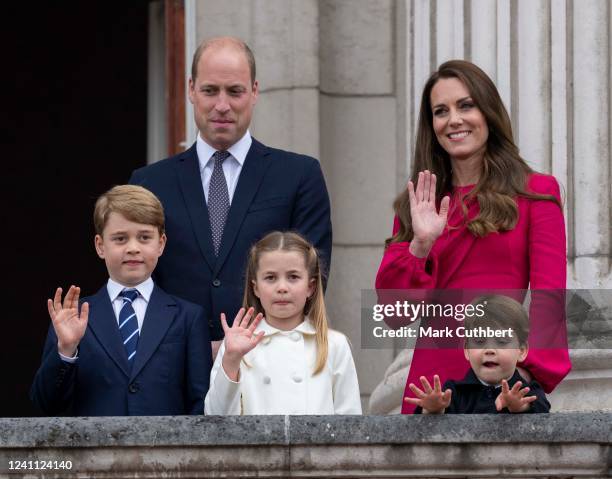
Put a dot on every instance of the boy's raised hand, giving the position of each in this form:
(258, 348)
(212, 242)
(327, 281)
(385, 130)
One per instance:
(514, 399)
(432, 400)
(239, 340)
(68, 324)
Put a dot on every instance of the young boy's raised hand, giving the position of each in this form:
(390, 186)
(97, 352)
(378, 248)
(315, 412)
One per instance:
(69, 324)
(432, 400)
(239, 340)
(514, 399)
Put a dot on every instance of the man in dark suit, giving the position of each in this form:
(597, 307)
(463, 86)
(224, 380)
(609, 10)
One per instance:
(228, 190)
(130, 349)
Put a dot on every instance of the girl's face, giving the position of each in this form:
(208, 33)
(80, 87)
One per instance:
(459, 125)
(283, 286)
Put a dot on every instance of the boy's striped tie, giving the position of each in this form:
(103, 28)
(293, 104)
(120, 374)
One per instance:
(128, 324)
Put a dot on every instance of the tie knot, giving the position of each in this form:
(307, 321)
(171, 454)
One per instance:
(129, 294)
(220, 156)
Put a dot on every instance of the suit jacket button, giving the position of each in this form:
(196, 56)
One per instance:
(267, 380)
(216, 283)
(133, 388)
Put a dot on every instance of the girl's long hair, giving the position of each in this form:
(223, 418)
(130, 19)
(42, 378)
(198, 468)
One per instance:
(315, 304)
(504, 173)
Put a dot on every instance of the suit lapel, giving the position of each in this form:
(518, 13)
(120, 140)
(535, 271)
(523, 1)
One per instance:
(253, 171)
(190, 182)
(103, 324)
(161, 311)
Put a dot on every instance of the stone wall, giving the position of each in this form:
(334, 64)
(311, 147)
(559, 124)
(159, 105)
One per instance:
(544, 445)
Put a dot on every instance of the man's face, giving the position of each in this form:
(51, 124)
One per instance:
(130, 250)
(222, 95)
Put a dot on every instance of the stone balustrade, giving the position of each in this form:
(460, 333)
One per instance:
(559, 444)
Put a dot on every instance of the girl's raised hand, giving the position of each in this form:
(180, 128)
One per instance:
(240, 338)
(427, 222)
(514, 399)
(432, 400)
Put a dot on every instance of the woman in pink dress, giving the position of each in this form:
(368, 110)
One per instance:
(478, 218)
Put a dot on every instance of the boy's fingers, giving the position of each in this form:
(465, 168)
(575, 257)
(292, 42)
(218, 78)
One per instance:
(416, 391)
(524, 391)
(84, 312)
(50, 308)
(529, 399)
(426, 385)
(437, 386)
(414, 401)
(57, 299)
(68, 297)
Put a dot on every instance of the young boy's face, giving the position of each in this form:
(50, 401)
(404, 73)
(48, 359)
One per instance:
(130, 250)
(494, 359)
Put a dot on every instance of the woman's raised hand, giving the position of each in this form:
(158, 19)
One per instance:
(427, 222)
(240, 338)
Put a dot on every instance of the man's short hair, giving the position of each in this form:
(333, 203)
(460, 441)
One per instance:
(501, 312)
(221, 41)
(134, 203)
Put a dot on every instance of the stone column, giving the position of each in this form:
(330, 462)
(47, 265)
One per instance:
(359, 154)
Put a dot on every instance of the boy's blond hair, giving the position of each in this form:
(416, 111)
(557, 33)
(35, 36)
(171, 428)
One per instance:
(134, 203)
(501, 312)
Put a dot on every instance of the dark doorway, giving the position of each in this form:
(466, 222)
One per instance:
(76, 125)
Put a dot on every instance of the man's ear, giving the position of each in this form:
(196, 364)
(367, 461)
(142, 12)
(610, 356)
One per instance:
(191, 90)
(465, 351)
(255, 91)
(524, 350)
(99, 244)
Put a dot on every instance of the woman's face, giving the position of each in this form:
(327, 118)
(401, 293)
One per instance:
(459, 125)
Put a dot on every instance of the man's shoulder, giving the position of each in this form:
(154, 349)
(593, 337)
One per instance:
(162, 167)
(285, 155)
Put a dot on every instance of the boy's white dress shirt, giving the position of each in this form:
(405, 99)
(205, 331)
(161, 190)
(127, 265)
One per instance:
(276, 377)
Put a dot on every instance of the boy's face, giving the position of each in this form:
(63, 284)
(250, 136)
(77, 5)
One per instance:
(494, 359)
(130, 250)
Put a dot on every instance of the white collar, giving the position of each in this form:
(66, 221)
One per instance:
(238, 150)
(145, 289)
(305, 327)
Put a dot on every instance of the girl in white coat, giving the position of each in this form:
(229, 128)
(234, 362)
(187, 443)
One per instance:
(289, 362)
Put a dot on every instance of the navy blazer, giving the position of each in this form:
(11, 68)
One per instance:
(170, 374)
(276, 190)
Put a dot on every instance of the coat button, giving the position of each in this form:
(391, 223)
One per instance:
(133, 388)
(295, 336)
(297, 379)
(216, 283)
(267, 380)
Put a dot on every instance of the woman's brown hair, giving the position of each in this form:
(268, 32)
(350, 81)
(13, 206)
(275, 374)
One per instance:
(504, 173)
(315, 305)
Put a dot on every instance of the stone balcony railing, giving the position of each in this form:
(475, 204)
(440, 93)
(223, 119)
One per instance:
(547, 445)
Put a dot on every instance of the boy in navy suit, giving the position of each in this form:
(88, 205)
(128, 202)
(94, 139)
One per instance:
(131, 349)
(494, 345)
